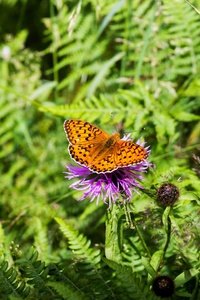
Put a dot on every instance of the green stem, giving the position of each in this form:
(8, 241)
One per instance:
(5, 88)
(168, 230)
(113, 234)
(141, 239)
(133, 224)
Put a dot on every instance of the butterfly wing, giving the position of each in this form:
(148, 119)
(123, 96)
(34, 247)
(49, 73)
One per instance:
(84, 155)
(81, 154)
(128, 153)
(86, 141)
(80, 132)
(104, 164)
(94, 148)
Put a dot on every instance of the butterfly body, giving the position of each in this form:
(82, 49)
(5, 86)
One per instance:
(94, 148)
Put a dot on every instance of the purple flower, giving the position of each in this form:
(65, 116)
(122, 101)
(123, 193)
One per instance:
(109, 186)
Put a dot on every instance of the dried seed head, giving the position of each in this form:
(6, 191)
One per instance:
(163, 286)
(168, 194)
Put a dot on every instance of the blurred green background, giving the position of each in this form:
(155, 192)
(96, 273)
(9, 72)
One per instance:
(85, 59)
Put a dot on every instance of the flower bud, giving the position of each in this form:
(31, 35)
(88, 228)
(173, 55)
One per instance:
(168, 194)
(163, 286)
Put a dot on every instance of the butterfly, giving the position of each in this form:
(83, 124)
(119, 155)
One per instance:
(100, 152)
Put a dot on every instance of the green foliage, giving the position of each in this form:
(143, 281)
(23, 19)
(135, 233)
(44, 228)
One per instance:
(79, 244)
(136, 288)
(37, 273)
(68, 292)
(139, 60)
(9, 284)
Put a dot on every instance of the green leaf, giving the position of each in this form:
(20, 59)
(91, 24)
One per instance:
(189, 196)
(186, 117)
(46, 88)
(185, 276)
(156, 259)
(137, 289)
(102, 72)
(165, 217)
(184, 294)
(68, 292)
(149, 267)
(79, 243)
(116, 7)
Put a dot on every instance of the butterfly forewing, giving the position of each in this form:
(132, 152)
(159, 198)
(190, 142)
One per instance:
(127, 153)
(81, 132)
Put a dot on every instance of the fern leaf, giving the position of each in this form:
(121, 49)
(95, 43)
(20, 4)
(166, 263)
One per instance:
(80, 244)
(135, 287)
(68, 292)
(9, 284)
(102, 72)
(41, 238)
(36, 271)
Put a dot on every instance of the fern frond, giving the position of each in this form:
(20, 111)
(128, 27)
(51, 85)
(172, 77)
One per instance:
(94, 109)
(80, 245)
(36, 271)
(136, 288)
(80, 54)
(90, 260)
(68, 292)
(41, 240)
(9, 284)
(131, 255)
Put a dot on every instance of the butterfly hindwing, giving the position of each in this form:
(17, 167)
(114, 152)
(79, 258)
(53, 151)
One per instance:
(127, 153)
(81, 154)
(104, 164)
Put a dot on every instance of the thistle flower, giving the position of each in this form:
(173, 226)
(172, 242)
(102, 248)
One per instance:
(108, 187)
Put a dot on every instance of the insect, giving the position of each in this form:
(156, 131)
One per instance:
(100, 152)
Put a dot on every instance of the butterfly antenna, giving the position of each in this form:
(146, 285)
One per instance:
(141, 129)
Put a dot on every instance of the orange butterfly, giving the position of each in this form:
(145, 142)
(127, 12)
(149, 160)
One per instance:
(101, 153)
